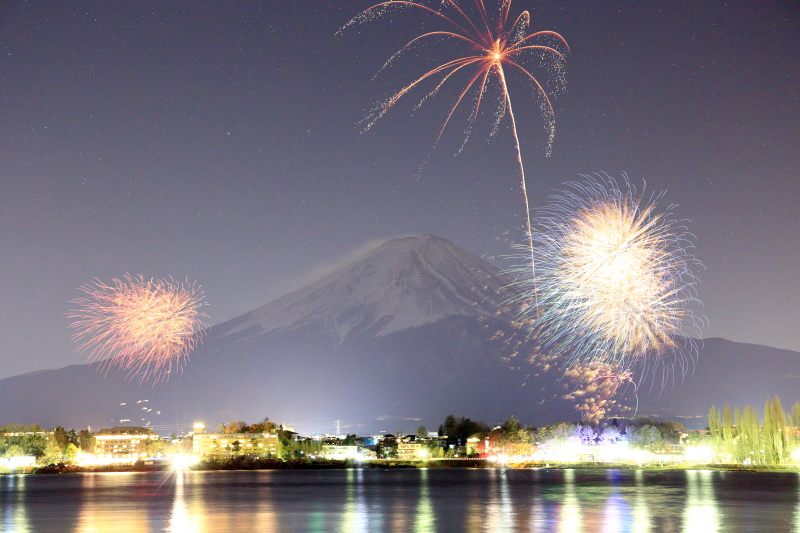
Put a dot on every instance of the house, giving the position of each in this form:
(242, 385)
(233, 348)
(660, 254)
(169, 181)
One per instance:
(123, 443)
(227, 444)
(409, 450)
(338, 451)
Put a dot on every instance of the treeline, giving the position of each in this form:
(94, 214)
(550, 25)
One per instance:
(48, 446)
(512, 438)
(741, 436)
(640, 434)
(240, 426)
(287, 447)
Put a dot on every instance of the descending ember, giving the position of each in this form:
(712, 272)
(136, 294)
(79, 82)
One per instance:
(493, 49)
(145, 328)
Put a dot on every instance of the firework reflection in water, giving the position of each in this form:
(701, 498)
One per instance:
(613, 279)
(145, 328)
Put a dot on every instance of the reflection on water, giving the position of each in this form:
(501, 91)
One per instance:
(797, 511)
(13, 513)
(181, 520)
(417, 501)
(108, 505)
(641, 512)
(700, 513)
(425, 520)
(538, 520)
(499, 510)
(570, 514)
(617, 515)
(355, 518)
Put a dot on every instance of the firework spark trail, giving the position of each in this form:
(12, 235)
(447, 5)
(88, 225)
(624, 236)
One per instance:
(490, 46)
(614, 278)
(611, 381)
(596, 390)
(145, 328)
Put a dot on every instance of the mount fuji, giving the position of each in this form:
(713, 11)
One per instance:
(412, 331)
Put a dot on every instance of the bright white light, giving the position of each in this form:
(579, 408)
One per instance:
(699, 454)
(796, 455)
(182, 462)
(641, 456)
(422, 453)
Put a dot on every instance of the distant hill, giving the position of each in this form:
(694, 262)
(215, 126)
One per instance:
(406, 335)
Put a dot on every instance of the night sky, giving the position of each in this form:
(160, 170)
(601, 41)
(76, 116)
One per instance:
(219, 141)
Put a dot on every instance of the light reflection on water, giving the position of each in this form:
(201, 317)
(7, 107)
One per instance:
(640, 517)
(14, 514)
(617, 514)
(499, 512)
(701, 514)
(418, 501)
(538, 515)
(355, 518)
(569, 520)
(797, 510)
(425, 519)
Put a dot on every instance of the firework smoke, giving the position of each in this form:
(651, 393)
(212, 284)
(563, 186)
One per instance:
(145, 328)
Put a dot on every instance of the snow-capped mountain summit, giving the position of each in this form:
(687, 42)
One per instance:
(404, 283)
(406, 334)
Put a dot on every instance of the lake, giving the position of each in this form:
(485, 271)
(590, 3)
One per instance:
(402, 500)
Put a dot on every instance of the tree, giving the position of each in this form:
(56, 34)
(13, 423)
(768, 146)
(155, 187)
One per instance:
(609, 435)
(750, 435)
(774, 432)
(237, 426)
(714, 425)
(645, 437)
(449, 426)
(513, 438)
(154, 447)
(236, 446)
(422, 432)
(265, 426)
(61, 437)
(14, 450)
(85, 440)
(586, 435)
(52, 453)
(71, 452)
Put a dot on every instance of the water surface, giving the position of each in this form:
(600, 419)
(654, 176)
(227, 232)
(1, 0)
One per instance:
(402, 500)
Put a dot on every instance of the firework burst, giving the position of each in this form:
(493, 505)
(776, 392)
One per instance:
(493, 47)
(614, 278)
(145, 328)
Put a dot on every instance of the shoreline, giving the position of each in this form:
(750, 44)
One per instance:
(273, 464)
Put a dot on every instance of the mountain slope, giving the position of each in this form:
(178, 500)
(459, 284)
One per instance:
(408, 334)
(402, 284)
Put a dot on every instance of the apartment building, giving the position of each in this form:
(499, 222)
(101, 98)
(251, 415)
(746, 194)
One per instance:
(228, 444)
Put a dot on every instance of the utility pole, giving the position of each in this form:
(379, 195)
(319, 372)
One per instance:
(338, 424)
